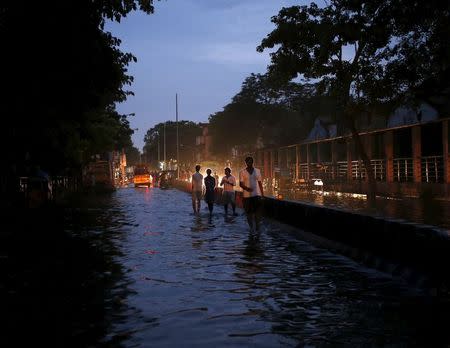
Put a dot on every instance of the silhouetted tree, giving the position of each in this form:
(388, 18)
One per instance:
(187, 133)
(63, 74)
(133, 155)
(358, 51)
(275, 112)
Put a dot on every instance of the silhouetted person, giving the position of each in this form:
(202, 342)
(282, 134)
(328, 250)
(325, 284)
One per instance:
(210, 184)
(228, 182)
(197, 189)
(250, 181)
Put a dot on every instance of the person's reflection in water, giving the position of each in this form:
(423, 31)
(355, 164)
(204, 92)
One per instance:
(197, 238)
(198, 224)
(253, 246)
(253, 265)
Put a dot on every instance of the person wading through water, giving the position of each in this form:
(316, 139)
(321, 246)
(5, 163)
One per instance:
(250, 181)
(228, 182)
(197, 188)
(210, 185)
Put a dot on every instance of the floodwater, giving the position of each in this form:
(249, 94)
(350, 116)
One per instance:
(145, 272)
(427, 211)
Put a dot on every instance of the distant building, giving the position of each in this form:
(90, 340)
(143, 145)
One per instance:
(406, 115)
(322, 129)
(203, 144)
(409, 151)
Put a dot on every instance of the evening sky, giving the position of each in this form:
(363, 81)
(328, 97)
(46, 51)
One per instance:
(201, 49)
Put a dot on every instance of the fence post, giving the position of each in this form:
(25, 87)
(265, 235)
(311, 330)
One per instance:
(417, 149)
(271, 163)
(308, 160)
(445, 152)
(349, 159)
(333, 160)
(368, 139)
(389, 154)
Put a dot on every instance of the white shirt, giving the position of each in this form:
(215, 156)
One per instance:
(228, 183)
(251, 180)
(197, 181)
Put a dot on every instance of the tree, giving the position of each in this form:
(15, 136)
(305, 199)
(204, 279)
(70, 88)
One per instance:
(352, 48)
(276, 113)
(154, 139)
(64, 73)
(418, 65)
(133, 155)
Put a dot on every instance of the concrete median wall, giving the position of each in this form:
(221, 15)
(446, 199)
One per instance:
(417, 252)
(395, 246)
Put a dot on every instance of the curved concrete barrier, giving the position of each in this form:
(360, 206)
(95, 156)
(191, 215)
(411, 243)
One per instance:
(396, 246)
(411, 250)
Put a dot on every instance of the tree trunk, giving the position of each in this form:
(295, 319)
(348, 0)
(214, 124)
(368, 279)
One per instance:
(372, 189)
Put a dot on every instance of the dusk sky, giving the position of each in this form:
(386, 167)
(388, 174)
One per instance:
(201, 49)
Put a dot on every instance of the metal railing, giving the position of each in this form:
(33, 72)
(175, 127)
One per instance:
(358, 170)
(432, 169)
(379, 169)
(341, 169)
(314, 170)
(303, 171)
(403, 169)
(326, 171)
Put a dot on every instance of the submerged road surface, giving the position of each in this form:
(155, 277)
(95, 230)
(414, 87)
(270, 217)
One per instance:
(171, 279)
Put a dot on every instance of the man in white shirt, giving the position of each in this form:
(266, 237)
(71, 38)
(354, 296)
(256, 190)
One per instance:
(251, 182)
(197, 189)
(228, 182)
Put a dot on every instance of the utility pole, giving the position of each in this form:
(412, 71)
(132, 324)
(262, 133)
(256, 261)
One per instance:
(159, 155)
(164, 165)
(178, 152)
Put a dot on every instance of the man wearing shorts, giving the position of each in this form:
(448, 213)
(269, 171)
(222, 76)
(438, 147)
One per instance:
(197, 189)
(228, 182)
(251, 182)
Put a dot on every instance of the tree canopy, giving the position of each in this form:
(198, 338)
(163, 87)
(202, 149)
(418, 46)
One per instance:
(363, 51)
(268, 111)
(63, 74)
(366, 53)
(154, 140)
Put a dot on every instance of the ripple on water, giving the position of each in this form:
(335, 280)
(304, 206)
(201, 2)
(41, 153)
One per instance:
(201, 283)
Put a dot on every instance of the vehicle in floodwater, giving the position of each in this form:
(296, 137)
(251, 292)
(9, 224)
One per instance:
(142, 176)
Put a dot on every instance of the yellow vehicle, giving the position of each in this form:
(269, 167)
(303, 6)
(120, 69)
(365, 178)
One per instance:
(142, 176)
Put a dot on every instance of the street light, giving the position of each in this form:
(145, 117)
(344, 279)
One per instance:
(178, 154)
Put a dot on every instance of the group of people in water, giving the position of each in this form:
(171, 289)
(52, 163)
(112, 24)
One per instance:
(249, 180)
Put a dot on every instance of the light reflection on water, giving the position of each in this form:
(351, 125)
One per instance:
(207, 283)
(142, 271)
(425, 211)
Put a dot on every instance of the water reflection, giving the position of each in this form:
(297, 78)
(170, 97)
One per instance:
(426, 210)
(143, 271)
(64, 284)
(214, 284)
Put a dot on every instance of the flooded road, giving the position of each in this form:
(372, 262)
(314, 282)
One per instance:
(162, 277)
(195, 282)
(429, 211)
